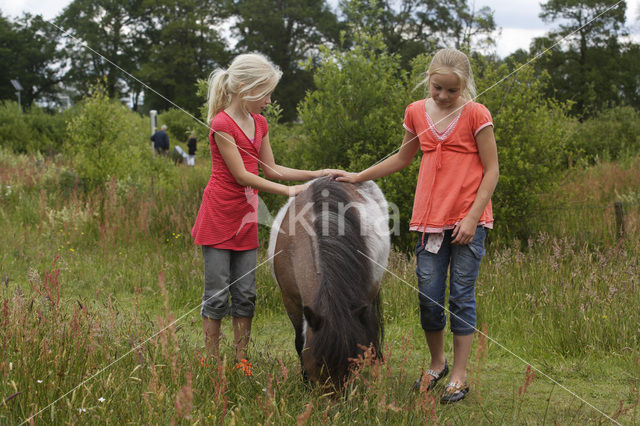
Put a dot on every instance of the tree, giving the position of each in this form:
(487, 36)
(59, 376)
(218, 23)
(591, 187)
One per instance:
(28, 52)
(110, 28)
(289, 33)
(585, 66)
(412, 27)
(167, 44)
(184, 46)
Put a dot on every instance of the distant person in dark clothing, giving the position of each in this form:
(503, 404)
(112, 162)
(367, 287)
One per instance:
(161, 140)
(191, 145)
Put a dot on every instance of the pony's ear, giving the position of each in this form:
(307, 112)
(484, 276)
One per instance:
(314, 321)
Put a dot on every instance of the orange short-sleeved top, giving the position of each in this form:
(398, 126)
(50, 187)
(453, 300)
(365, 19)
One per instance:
(450, 169)
(228, 214)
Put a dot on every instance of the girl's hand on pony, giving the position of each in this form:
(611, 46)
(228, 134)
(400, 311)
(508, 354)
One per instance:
(330, 172)
(347, 177)
(296, 189)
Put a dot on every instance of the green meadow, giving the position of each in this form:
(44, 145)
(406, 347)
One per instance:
(100, 324)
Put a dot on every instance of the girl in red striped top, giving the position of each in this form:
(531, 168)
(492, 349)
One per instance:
(226, 226)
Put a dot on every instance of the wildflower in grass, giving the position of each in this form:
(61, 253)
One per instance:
(39, 381)
(304, 416)
(245, 366)
(528, 378)
(82, 410)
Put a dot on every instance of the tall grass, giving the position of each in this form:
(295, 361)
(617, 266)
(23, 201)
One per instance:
(99, 296)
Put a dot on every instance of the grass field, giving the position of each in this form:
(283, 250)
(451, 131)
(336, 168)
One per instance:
(99, 314)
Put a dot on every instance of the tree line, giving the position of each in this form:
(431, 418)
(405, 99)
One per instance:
(170, 44)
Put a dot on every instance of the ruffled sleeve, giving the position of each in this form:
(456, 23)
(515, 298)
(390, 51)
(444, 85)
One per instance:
(480, 118)
(408, 119)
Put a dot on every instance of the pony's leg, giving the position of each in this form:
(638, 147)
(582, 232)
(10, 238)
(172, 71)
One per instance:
(211, 329)
(241, 334)
(299, 347)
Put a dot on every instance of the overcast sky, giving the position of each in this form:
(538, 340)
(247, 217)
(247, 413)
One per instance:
(518, 19)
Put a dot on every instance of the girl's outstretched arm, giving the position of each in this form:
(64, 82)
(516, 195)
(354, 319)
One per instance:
(233, 160)
(275, 171)
(394, 163)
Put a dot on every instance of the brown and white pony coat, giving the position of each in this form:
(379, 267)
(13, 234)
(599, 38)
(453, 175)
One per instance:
(329, 246)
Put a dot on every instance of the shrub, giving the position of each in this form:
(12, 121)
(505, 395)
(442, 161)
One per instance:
(180, 125)
(612, 134)
(354, 118)
(107, 140)
(532, 134)
(32, 131)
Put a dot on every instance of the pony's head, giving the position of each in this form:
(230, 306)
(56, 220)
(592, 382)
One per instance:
(328, 350)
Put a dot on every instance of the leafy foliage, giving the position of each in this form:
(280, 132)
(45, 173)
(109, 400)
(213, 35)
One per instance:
(32, 131)
(180, 125)
(532, 133)
(29, 53)
(591, 63)
(183, 46)
(409, 27)
(101, 151)
(288, 33)
(612, 134)
(354, 117)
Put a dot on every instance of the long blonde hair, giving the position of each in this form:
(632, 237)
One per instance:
(447, 61)
(247, 73)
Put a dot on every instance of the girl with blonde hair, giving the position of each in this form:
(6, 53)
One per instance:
(451, 210)
(226, 226)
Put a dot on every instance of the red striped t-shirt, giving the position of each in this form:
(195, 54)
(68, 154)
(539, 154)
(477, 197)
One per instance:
(228, 214)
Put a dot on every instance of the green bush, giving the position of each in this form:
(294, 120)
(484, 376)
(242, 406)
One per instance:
(32, 131)
(180, 125)
(612, 134)
(532, 134)
(106, 140)
(353, 119)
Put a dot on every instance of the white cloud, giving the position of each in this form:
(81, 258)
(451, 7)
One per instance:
(49, 9)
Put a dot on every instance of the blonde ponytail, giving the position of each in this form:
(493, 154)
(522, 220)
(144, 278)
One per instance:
(250, 76)
(218, 97)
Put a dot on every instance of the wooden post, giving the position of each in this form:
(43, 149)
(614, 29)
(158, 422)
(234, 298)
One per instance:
(620, 219)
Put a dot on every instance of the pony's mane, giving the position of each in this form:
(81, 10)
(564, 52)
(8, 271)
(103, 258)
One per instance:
(345, 281)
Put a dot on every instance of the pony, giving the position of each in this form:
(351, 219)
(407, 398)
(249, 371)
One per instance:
(329, 247)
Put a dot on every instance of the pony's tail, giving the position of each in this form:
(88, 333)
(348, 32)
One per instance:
(218, 96)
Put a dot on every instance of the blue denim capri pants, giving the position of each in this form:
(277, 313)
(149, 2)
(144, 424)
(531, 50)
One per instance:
(462, 262)
(229, 272)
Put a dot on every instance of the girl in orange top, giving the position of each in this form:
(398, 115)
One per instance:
(452, 207)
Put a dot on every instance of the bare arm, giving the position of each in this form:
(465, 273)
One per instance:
(465, 230)
(275, 171)
(392, 164)
(231, 156)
